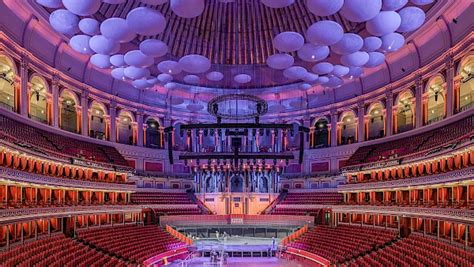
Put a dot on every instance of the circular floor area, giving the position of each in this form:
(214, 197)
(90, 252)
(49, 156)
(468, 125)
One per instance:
(233, 262)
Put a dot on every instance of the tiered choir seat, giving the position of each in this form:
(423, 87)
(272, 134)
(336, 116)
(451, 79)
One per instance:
(305, 199)
(57, 145)
(160, 198)
(131, 242)
(344, 242)
(56, 251)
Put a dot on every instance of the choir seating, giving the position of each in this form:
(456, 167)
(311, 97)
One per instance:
(57, 251)
(296, 203)
(418, 144)
(57, 145)
(343, 242)
(180, 201)
(132, 243)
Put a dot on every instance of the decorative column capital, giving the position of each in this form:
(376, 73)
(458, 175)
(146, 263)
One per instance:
(24, 60)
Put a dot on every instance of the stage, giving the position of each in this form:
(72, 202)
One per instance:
(239, 262)
(237, 246)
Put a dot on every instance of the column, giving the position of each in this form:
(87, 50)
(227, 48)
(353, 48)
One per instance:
(333, 115)
(140, 128)
(85, 113)
(388, 113)
(113, 122)
(418, 101)
(23, 108)
(360, 122)
(55, 101)
(306, 123)
(450, 85)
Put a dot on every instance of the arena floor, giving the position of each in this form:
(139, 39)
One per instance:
(234, 262)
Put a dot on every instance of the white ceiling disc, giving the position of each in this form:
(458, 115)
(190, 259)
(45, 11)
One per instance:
(117, 29)
(360, 10)
(310, 77)
(375, 59)
(277, 3)
(340, 70)
(50, 3)
(323, 79)
(80, 43)
(421, 2)
(324, 8)
(324, 32)
(215, 76)
(165, 78)
(141, 84)
(89, 26)
(313, 53)
(334, 82)
(356, 59)
(187, 8)
(169, 66)
(288, 41)
(136, 73)
(82, 7)
(138, 59)
(191, 79)
(63, 21)
(118, 73)
(384, 23)
(392, 42)
(195, 64)
(171, 86)
(102, 45)
(242, 78)
(280, 61)
(117, 60)
(323, 68)
(355, 72)
(371, 44)
(154, 2)
(411, 19)
(295, 73)
(175, 101)
(114, 2)
(153, 47)
(392, 5)
(349, 43)
(100, 61)
(146, 21)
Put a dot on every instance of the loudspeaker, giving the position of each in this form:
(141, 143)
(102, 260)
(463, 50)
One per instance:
(170, 147)
(300, 158)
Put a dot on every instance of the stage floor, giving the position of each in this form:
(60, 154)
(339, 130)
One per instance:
(235, 243)
(239, 262)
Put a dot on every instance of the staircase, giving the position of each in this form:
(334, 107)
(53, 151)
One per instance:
(275, 202)
(201, 206)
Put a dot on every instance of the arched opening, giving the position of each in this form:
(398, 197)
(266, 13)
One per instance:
(97, 123)
(7, 83)
(69, 120)
(435, 100)
(375, 121)
(38, 102)
(237, 184)
(405, 117)
(321, 133)
(466, 89)
(348, 130)
(153, 134)
(263, 186)
(125, 128)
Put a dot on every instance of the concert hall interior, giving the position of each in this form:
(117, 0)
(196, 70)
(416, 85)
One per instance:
(269, 133)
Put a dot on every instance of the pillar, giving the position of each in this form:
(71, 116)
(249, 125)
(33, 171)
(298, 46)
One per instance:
(23, 108)
(85, 113)
(389, 113)
(55, 101)
(140, 128)
(450, 85)
(333, 127)
(360, 122)
(418, 101)
(113, 122)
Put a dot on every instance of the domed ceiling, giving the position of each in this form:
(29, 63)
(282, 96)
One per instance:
(236, 43)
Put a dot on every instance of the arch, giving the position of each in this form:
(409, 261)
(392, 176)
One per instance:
(237, 184)
(375, 121)
(125, 127)
(8, 72)
(320, 136)
(38, 102)
(434, 105)
(263, 185)
(69, 120)
(405, 116)
(465, 96)
(153, 133)
(97, 123)
(347, 128)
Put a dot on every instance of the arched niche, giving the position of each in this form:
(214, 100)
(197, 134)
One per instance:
(69, 120)
(405, 115)
(38, 109)
(125, 127)
(153, 134)
(466, 86)
(237, 184)
(347, 128)
(320, 136)
(97, 120)
(434, 99)
(7, 82)
(375, 121)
